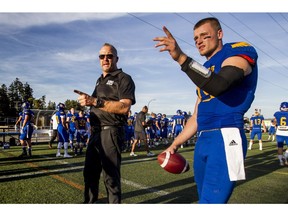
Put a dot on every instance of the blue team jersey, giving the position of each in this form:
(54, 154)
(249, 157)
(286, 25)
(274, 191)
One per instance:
(228, 109)
(59, 115)
(257, 122)
(72, 119)
(281, 118)
(81, 122)
(178, 119)
(164, 122)
(29, 113)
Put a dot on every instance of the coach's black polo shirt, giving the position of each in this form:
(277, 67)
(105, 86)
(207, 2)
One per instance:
(115, 86)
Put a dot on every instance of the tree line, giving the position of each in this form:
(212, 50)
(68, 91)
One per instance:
(12, 98)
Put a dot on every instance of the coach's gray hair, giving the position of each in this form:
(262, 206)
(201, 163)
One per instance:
(112, 47)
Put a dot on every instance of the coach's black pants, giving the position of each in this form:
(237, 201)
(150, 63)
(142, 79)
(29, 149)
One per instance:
(103, 154)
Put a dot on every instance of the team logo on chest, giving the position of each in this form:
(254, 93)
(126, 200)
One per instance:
(110, 82)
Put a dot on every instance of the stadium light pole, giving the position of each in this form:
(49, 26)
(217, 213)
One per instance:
(149, 103)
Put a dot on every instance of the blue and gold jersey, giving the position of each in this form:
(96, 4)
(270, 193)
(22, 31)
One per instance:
(228, 109)
(60, 115)
(281, 118)
(81, 122)
(72, 119)
(29, 113)
(257, 122)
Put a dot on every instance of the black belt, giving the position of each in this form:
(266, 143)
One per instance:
(109, 127)
(95, 128)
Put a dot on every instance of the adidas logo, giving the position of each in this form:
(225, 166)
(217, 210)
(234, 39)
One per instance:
(233, 143)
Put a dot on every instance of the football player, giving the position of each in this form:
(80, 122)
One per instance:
(26, 117)
(178, 124)
(71, 118)
(81, 133)
(282, 132)
(256, 124)
(226, 84)
(63, 136)
(272, 130)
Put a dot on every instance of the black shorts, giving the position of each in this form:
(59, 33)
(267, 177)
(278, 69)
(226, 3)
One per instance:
(139, 135)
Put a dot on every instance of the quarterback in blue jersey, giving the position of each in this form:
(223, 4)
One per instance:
(225, 88)
(282, 132)
(256, 124)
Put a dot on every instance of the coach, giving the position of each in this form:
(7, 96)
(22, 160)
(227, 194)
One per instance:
(110, 103)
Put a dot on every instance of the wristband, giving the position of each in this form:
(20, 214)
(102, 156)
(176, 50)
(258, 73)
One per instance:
(200, 69)
(99, 103)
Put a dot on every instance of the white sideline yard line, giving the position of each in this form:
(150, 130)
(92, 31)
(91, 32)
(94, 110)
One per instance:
(143, 187)
(39, 172)
(124, 181)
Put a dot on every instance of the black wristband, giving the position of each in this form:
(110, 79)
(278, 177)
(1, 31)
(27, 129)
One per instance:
(99, 103)
(185, 65)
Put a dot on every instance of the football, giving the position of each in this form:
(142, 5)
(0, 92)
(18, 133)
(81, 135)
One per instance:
(173, 163)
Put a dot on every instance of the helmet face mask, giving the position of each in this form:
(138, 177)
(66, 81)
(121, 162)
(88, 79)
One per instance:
(25, 105)
(284, 106)
(60, 106)
(179, 112)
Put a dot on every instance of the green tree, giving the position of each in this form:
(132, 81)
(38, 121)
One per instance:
(39, 103)
(15, 91)
(19, 93)
(51, 105)
(72, 104)
(27, 94)
(4, 101)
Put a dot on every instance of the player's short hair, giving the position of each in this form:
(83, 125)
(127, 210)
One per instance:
(212, 20)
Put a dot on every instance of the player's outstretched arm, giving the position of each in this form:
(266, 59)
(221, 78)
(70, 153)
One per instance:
(168, 43)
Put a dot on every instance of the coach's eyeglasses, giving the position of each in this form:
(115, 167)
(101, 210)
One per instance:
(109, 56)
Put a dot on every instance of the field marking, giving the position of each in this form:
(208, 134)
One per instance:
(143, 187)
(78, 186)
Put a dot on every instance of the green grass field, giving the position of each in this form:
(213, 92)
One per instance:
(45, 179)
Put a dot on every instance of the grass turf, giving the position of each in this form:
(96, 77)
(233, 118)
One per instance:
(45, 179)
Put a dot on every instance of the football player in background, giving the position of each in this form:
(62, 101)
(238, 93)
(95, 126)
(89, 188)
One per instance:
(81, 133)
(256, 124)
(71, 118)
(63, 136)
(282, 132)
(272, 130)
(178, 123)
(26, 118)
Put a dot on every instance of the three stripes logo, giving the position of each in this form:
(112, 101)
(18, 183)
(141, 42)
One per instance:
(233, 143)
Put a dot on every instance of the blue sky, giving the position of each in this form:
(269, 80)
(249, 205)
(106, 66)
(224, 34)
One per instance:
(58, 52)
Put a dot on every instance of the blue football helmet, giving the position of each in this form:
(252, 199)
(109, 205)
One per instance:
(284, 106)
(179, 112)
(60, 106)
(25, 105)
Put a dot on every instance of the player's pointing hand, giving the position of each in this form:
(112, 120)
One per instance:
(169, 44)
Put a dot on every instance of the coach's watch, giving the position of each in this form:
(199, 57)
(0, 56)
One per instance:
(99, 103)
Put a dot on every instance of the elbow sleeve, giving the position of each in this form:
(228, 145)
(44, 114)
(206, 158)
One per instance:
(216, 84)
